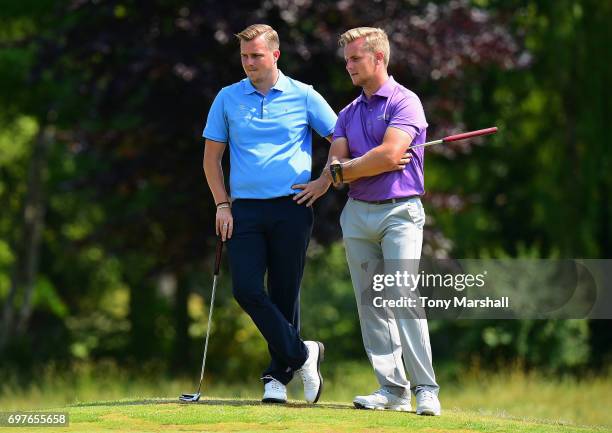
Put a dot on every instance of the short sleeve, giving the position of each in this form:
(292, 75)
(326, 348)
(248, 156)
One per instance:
(408, 115)
(321, 117)
(216, 124)
(340, 129)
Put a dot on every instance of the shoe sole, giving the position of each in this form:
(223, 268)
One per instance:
(398, 408)
(319, 359)
(428, 413)
(273, 401)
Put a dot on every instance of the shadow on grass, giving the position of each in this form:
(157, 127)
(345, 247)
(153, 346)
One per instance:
(212, 402)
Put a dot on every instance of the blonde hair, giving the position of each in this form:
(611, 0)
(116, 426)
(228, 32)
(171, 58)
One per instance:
(376, 40)
(269, 35)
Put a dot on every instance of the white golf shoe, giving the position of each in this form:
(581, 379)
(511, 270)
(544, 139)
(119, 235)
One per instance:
(311, 371)
(274, 391)
(427, 403)
(382, 400)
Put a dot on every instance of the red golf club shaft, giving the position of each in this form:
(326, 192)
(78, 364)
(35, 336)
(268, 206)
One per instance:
(458, 137)
(470, 134)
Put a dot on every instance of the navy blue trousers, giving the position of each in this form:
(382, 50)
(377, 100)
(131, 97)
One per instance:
(272, 236)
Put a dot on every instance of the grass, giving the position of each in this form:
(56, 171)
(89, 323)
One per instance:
(219, 415)
(510, 401)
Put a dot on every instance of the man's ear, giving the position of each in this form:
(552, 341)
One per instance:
(380, 57)
(276, 54)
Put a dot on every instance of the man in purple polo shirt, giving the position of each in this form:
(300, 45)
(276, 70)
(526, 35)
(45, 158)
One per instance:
(383, 218)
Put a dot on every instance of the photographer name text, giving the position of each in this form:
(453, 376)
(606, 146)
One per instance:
(455, 302)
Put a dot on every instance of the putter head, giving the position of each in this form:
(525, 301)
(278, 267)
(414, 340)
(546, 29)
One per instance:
(190, 397)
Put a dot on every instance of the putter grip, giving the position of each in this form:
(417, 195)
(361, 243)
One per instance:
(465, 135)
(218, 252)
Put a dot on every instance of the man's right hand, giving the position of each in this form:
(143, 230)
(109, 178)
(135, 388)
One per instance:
(406, 158)
(224, 223)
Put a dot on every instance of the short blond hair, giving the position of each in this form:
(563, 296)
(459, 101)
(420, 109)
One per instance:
(269, 35)
(376, 40)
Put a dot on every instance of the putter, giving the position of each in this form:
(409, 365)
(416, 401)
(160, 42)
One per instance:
(458, 137)
(195, 397)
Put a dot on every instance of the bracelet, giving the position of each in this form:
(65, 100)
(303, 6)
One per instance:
(223, 206)
(223, 202)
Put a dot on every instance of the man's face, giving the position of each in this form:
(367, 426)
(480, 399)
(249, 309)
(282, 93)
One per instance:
(360, 63)
(258, 60)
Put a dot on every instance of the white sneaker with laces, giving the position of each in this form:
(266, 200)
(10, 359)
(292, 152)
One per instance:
(274, 391)
(311, 371)
(427, 403)
(382, 400)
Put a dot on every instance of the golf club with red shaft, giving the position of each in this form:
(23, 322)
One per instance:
(195, 397)
(458, 137)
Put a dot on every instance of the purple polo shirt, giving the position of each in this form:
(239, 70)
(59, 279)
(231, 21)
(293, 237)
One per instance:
(363, 123)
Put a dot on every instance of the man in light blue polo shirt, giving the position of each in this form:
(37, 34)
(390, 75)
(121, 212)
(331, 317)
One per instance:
(267, 119)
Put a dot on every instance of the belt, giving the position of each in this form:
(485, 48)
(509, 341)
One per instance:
(389, 200)
(282, 197)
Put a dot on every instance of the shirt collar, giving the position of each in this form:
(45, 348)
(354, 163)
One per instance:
(248, 87)
(282, 82)
(280, 85)
(386, 90)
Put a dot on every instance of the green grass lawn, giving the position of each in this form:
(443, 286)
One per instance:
(508, 401)
(235, 415)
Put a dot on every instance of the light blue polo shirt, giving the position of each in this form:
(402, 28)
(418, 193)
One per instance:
(269, 136)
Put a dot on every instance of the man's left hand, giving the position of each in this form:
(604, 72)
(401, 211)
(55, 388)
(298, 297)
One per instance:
(311, 191)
